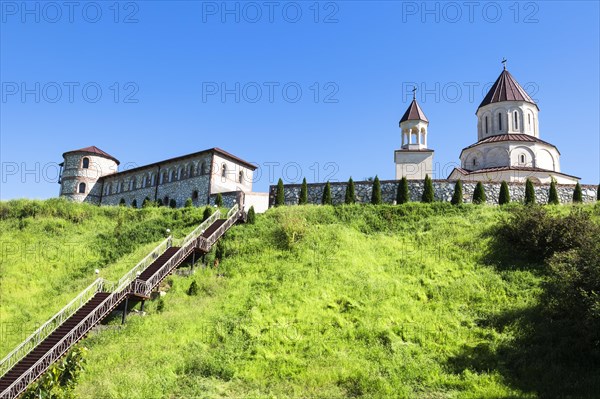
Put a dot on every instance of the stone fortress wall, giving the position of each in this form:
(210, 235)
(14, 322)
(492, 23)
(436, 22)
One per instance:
(443, 191)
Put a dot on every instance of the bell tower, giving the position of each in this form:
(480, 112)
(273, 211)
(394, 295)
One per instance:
(413, 160)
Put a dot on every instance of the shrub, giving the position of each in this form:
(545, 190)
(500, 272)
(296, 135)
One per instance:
(350, 192)
(172, 203)
(504, 197)
(188, 203)
(427, 190)
(376, 192)
(159, 202)
(251, 219)
(280, 195)
(326, 200)
(146, 203)
(303, 200)
(402, 195)
(219, 200)
(577, 194)
(193, 290)
(553, 194)
(208, 211)
(457, 197)
(134, 203)
(529, 193)
(479, 194)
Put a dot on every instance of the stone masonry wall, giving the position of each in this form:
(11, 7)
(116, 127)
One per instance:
(443, 190)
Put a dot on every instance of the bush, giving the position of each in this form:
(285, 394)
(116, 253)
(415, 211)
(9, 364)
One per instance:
(457, 197)
(350, 197)
(427, 190)
(146, 203)
(376, 192)
(553, 194)
(504, 197)
(303, 200)
(134, 203)
(193, 290)
(188, 203)
(208, 211)
(529, 193)
(326, 200)
(173, 203)
(280, 195)
(402, 195)
(479, 194)
(251, 219)
(219, 200)
(577, 194)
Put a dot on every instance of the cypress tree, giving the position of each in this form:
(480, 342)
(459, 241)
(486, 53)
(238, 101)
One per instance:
(479, 194)
(376, 192)
(350, 192)
(159, 202)
(280, 196)
(219, 200)
(504, 197)
(553, 194)
(529, 193)
(173, 203)
(427, 190)
(326, 200)
(207, 213)
(188, 203)
(598, 193)
(251, 219)
(303, 200)
(457, 197)
(146, 202)
(403, 196)
(577, 194)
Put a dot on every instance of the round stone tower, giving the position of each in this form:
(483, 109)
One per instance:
(82, 171)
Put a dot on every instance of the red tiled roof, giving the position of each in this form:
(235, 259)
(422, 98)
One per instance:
(94, 150)
(506, 88)
(414, 113)
(510, 137)
(505, 168)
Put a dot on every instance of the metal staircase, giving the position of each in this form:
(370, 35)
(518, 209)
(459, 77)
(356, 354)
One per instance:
(28, 361)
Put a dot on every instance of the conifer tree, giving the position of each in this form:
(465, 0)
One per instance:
(457, 197)
(280, 196)
(402, 196)
(326, 200)
(504, 197)
(427, 190)
(303, 200)
(577, 194)
(376, 192)
(479, 194)
(553, 194)
(349, 192)
(146, 202)
(598, 193)
(188, 203)
(251, 218)
(219, 200)
(529, 193)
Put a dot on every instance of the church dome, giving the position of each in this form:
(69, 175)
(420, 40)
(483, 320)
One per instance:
(506, 88)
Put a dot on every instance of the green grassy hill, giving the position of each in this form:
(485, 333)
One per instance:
(314, 302)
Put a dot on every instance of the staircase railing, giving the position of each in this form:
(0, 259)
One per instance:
(61, 347)
(200, 229)
(48, 327)
(144, 263)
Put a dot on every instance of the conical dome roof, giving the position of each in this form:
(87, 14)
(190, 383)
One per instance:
(506, 88)
(414, 113)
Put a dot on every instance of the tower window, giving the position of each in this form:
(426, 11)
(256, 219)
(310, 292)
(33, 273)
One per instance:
(81, 188)
(486, 125)
(85, 163)
(224, 170)
(529, 121)
(516, 116)
(499, 121)
(241, 177)
(522, 158)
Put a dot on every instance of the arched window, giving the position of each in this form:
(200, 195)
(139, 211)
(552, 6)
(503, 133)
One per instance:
(499, 121)
(81, 188)
(522, 158)
(191, 170)
(224, 170)
(516, 116)
(172, 176)
(153, 179)
(486, 125)
(180, 173)
(85, 163)
(163, 177)
(241, 176)
(195, 195)
(474, 162)
(529, 121)
(107, 190)
(145, 181)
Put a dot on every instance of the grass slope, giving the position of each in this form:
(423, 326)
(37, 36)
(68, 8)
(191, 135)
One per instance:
(50, 249)
(328, 302)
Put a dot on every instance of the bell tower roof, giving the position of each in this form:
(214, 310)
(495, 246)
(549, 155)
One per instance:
(414, 113)
(506, 88)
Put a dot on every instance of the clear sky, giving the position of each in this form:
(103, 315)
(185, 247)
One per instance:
(300, 88)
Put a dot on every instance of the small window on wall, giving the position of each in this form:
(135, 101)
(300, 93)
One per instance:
(516, 116)
(224, 170)
(241, 177)
(195, 195)
(85, 163)
(522, 158)
(486, 125)
(81, 188)
(499, 121)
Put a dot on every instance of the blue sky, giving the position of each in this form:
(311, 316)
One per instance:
(300, 88)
